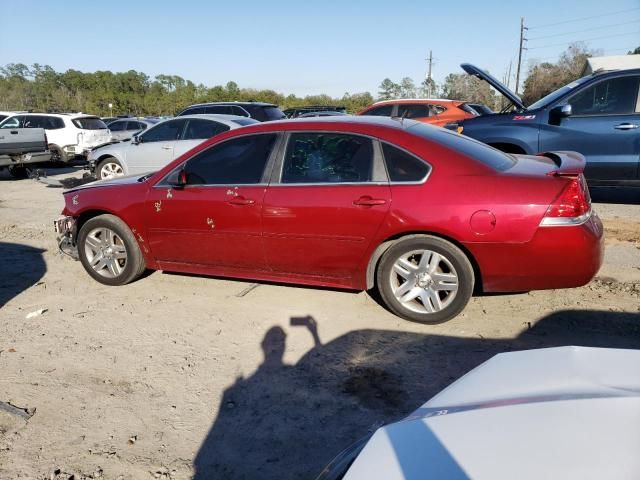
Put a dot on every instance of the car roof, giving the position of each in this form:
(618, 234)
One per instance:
(258, 104)
(216, 117)
(427, 101)
(335, 121)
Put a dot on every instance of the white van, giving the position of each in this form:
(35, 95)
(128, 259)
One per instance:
(68, 134)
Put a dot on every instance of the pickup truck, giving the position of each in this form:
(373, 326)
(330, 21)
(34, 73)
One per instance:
(20, 147)
(597, 115)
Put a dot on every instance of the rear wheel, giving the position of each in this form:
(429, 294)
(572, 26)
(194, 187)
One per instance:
(425, 279)
(57, 157)
(109, 168)
(109, 251)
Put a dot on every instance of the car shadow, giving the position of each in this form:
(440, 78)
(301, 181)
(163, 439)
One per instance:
(21, 267)
(616, 195)
(288, 421)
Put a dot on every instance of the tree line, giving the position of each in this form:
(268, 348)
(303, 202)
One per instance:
(41, 88)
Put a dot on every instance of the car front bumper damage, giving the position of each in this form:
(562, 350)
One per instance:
(66, 230)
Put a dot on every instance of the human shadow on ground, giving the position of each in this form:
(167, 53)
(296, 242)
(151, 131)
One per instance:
(288, 421)
(21, 266)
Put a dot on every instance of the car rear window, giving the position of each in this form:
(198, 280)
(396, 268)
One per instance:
(474, 149)
(89, 123)
(243, 122)
(273, 113)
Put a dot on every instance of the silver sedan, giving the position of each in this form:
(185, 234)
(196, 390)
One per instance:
(160, 144)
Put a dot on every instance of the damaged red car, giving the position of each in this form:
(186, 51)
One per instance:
(424, 215)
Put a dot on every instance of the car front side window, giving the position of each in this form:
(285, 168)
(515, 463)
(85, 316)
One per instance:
(116, 126)
(13, 122)
(164, 132)
(383, 111)
(239, 161)
(328, 158)
(616, 96)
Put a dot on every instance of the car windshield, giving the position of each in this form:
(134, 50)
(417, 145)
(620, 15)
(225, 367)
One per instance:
(89, 123)
(557, 94)
(474, 149)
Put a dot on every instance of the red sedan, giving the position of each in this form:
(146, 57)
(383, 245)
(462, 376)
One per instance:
(421, 213)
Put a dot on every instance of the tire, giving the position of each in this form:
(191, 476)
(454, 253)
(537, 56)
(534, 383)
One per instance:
(18, 172)
(418, 286)
(110, 236)
(57, 156)
(109, 167)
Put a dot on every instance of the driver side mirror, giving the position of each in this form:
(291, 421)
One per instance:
(178, 178)
(562, 111)
(136, 139)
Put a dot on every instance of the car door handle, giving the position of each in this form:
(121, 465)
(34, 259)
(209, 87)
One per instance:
(626, 126)
(14, 132)
(166, 147)
(368, 201)
(242, 201)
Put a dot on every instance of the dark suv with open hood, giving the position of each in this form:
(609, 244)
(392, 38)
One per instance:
(597, 115)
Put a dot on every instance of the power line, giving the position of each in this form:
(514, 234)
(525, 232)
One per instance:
(584, 18)
(584, 40)
(586, 30)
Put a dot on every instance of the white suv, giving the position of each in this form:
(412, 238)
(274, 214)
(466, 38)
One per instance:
(68, 134)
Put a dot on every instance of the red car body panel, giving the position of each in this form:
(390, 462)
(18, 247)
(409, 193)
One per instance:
(319, 235)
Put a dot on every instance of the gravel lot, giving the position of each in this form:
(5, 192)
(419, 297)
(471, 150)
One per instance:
(174, 376)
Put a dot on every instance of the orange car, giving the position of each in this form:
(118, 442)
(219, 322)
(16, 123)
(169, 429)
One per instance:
(434, 111)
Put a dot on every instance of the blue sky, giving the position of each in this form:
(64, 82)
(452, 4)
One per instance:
(307, 47)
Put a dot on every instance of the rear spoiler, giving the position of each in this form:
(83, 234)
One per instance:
(568, 163)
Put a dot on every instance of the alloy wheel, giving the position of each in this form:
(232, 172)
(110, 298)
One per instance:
(424, 281)
(105, 251)
(110, 170)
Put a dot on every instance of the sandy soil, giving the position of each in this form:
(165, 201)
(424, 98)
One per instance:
(177, 376)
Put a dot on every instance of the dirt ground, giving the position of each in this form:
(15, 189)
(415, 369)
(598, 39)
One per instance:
(177, 376)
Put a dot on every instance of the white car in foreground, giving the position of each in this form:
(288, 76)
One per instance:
(566, 413)
(160, 144)
(69, 135)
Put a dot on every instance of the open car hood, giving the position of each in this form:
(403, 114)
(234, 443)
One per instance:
(495, 83)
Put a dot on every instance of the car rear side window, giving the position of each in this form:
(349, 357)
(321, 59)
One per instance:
(383, 111)
(403, 166)
(89, 123)
(328, 158)
(616, 96)
(201, 129)
(218, 109)
(473, 149)
(415, 111)
(237, 161)
(117, 126)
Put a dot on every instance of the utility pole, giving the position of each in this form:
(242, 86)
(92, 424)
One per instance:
(522, 40)
(430, 60)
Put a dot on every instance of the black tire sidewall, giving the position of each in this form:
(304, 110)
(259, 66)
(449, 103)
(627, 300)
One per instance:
(101, 164)
(457, 258)
(18, 172)
(134, 256)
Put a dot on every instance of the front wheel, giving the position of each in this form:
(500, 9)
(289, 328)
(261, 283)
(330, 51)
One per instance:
(109, 168)
(18, 172)
(109, 251)
(425, 279)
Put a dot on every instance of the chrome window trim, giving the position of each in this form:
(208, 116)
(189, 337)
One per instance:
(566, 221)
(264, 181)
(412, 182)
(378, 167)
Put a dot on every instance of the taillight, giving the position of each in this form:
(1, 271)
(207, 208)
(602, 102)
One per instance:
(571, 205)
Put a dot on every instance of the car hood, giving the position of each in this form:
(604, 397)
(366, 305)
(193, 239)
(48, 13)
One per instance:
(568, 412)
(112, 182)
(495, 83)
